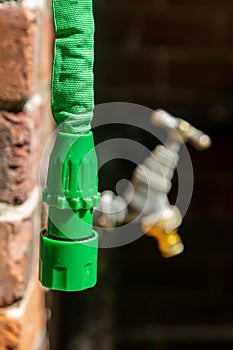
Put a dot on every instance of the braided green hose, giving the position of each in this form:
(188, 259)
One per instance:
(72, 80)
(69, 246)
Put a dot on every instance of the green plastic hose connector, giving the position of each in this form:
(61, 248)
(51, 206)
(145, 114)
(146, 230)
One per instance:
(69, 245)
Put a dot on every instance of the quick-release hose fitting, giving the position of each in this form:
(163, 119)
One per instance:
(68, 252)
(69, 247)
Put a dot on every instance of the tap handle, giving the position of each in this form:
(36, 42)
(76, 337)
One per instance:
(164, 119)
(195, 137)
(188, 133)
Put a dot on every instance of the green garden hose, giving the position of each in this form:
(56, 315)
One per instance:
(68, 252)
(72, 82)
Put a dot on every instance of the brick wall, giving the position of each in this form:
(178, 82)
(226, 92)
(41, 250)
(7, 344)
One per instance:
(170, 53)
(25, 60)
(175, 54)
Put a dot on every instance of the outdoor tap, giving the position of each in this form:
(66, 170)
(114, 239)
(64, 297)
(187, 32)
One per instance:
(146, 197)
(161, 220)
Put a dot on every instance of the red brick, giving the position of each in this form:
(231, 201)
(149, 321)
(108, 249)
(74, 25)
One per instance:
(169, 31)
(22, 326)
(216, 159)
(23, 137)
(45, 52)
(18, 256)
(135, 10)
(113, 29)
(229, 34)
(202, 75)
(17, 56)
(211, 3)
(127, 70)
(132, 2)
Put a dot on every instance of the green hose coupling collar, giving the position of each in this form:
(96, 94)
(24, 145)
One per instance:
(69, 247)
(68, 265)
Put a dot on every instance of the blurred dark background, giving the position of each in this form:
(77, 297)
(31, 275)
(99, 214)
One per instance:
(176, 55)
